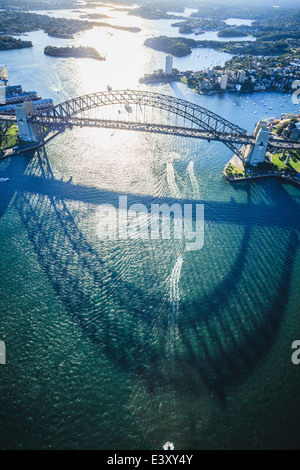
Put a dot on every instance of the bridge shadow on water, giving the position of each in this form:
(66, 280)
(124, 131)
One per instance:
(221, 339)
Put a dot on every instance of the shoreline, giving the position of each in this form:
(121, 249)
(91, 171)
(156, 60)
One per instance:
(13, 153)
(287, 179)
(155, 80)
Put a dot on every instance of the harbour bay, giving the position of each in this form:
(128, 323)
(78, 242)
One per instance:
(100, 335)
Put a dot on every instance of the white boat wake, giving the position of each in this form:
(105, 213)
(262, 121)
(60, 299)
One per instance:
(193, 179)
(171, 180)
(175, 291)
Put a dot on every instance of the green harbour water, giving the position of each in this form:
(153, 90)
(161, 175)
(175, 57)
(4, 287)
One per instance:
(121, 343)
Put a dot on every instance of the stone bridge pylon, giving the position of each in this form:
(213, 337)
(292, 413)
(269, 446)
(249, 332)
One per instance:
(255, 154)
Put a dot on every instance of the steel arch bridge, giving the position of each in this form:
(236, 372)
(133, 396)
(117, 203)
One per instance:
(203, 124)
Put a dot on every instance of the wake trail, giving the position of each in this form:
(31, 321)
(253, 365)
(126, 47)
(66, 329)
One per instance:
(193, 179)
(175, 291)
(171, 180)
(172, 333)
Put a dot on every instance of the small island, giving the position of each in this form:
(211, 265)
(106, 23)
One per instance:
(129, 29)
(8, 43)
(231, 33)
(94, 16)
(150, 12)
(75, 52)
(191, 26)
(178, 47)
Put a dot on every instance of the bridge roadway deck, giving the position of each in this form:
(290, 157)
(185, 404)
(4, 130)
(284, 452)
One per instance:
(275, 142)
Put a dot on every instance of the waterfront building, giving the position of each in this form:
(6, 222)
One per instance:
(295, 134)
(39, 105)
(206, 85)
(169, 65)
(20, 98)
(223, 82)
(12, 90)
(241, 76)
(285, 116)
(3, 75)
(260, 88)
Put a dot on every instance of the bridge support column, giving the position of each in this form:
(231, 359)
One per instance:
(255, 154)
(27, 131)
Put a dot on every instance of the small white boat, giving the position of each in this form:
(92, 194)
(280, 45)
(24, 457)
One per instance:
(169, 446)
(4, 180)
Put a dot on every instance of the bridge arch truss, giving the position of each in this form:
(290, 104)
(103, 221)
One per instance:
(202, 122)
